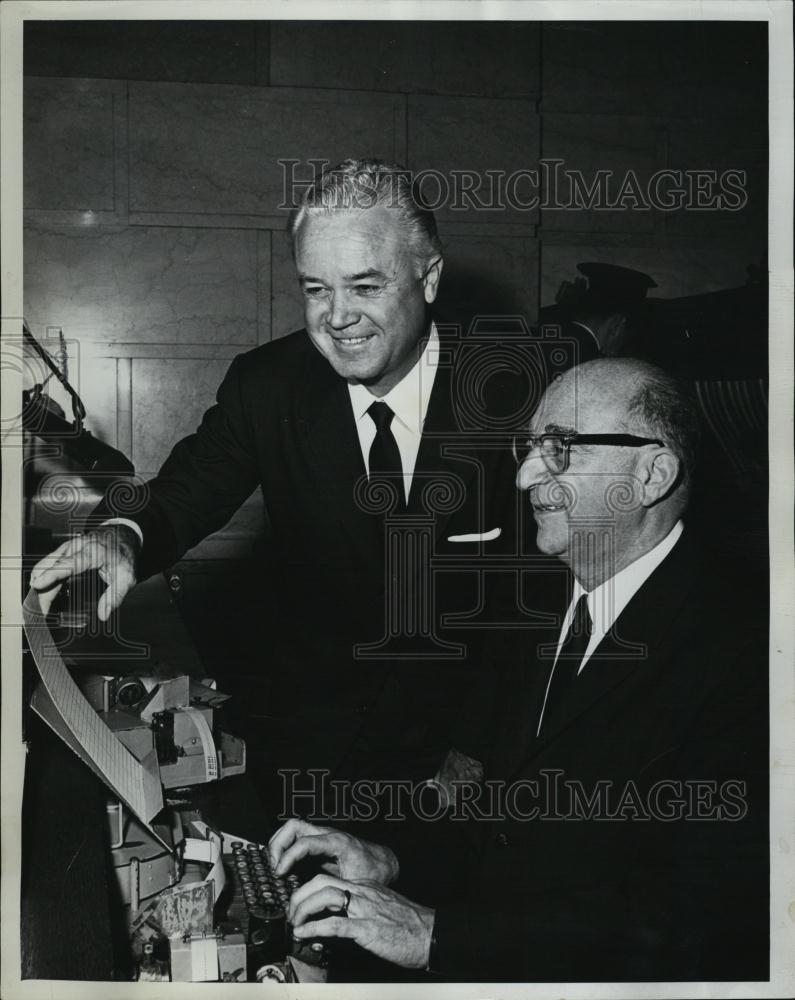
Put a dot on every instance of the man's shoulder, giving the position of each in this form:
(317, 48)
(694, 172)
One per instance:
(292, 349)
(278, 364)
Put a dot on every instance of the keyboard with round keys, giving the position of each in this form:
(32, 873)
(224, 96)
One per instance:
(260, 887)
(259, 905)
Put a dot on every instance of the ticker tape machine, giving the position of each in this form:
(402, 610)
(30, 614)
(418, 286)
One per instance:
(201, 905)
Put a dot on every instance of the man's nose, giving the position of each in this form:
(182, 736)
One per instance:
(342, 312)
(532, 472)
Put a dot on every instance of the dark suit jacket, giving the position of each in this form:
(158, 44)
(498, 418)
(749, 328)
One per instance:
(283, 422)
(677, 695)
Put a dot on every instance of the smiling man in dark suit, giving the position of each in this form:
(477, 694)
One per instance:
(622, 830)
(343, 425)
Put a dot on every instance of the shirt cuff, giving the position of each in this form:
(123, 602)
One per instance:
(130, 524)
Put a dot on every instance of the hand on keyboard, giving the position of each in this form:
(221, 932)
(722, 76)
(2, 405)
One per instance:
(344, 855)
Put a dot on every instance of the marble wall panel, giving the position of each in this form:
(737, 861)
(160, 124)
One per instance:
(287, 302)
(721, 145)
(654, 68)
(678, 271)
(473, 134)
(68, 153)
(143, 284)
(207, 149)
(488, 59)
(97, 386)
(201, 51)
(168, 400)
(488, 276)
(624, 146)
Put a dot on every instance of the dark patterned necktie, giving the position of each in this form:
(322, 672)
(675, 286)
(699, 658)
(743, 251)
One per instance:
(567, 665)
(384, 459)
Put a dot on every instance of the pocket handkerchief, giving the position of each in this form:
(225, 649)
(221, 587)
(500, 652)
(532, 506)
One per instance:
(477, 536)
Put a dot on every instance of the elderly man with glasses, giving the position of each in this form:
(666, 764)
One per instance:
(624, 833)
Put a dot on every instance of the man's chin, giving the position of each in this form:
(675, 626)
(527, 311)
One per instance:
(363, 370)
(551, 538)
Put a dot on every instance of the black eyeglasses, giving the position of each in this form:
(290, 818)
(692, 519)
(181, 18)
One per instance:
(554, 448)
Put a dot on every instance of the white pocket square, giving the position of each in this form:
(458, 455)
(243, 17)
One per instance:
(477, 536)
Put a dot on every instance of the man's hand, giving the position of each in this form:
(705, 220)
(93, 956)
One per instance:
(346, 856)
(378, 919)
(111, 549)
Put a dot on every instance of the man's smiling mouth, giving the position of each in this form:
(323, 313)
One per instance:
(353, 341)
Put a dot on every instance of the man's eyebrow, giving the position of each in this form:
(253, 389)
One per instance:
(557, 429)
(359, 276)
(371, 273)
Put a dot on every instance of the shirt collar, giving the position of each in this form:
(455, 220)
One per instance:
(409, 399)
(608, 600)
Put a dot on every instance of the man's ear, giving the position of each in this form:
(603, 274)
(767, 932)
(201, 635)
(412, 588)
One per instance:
(659, 475)
(430, 279)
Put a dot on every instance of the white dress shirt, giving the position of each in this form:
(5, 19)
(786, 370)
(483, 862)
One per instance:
(408, 400)
(608, 600)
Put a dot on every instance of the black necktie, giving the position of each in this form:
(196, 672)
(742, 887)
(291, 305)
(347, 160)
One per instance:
(572, 650)
(384, 459)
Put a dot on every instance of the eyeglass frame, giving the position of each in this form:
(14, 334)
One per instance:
(573, 437)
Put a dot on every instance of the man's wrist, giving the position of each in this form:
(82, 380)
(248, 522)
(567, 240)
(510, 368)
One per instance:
(391, 865)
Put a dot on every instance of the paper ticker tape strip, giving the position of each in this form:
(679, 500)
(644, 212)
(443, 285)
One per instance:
(207, 742)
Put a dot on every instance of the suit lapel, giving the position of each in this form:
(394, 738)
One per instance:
(632, 644)
(328, 432)
(435, 467)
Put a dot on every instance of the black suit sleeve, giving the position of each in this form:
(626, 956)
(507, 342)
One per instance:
(202, 483)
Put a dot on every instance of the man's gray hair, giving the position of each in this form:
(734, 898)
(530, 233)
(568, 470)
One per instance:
(363, 184)
(667, 408)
